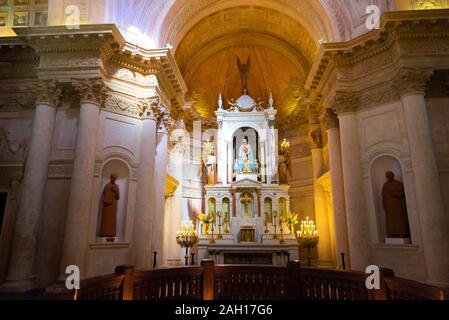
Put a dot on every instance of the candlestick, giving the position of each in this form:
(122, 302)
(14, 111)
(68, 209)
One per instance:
(275, 214)
(219, 236)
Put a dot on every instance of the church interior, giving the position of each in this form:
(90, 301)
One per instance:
(244, 137)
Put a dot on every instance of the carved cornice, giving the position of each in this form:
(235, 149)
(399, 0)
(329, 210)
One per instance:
(90, 90)
(329, 119)
(129, 75)
(367, 65)
(412, 80)
(60, 39)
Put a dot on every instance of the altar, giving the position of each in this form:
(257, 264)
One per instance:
(248, 206)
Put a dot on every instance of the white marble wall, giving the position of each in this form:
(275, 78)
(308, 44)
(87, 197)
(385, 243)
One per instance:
(383, 135)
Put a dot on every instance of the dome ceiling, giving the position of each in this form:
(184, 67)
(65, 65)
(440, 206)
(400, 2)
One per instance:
(280, 49)
(269, 72)
(200, 31)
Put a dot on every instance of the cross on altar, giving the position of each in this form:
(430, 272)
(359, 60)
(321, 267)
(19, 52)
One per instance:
(246, 200)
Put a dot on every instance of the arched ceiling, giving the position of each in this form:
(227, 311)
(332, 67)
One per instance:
(154, 23)
(280, 49)
(269, 72)
(282, 38)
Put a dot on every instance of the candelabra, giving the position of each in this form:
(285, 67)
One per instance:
(212, 240)
(285, 145)
(281, 222)
(219, 236)
(308, 237)
(187, 237)
(267, 218)
(275, 215)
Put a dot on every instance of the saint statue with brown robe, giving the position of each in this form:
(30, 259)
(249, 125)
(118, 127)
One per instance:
(111, 194)
(394, 203)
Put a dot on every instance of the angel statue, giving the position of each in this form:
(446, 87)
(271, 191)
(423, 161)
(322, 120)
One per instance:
(259, 105)
(244, 71)
(233, 106)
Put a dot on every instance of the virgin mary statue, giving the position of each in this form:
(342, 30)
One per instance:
(245, 161)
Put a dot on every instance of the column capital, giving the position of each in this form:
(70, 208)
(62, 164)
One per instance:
(329, 119)
(412, 80)
(345, 102)
(314, 139)
(164, 121)
(47, 92)
(90, 90)
(148, 107)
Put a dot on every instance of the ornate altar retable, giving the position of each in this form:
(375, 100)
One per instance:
(243, 195)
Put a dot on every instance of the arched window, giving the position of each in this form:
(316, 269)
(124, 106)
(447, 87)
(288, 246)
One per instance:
(268, 208)
(283, 208)
(212, 207)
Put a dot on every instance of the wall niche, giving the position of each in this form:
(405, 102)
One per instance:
(121, 170)
(379, 168)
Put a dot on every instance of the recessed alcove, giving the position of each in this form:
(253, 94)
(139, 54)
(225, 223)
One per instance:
(379, 167)
(119, 168)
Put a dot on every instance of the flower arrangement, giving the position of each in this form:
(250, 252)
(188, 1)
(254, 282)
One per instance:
(292, 221)
(206, 220)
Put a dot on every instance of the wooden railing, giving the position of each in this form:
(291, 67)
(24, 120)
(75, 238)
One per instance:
(229, 282)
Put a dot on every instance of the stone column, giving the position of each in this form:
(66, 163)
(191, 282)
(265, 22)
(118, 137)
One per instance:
(356, 213)
(160, 177)
(263, 162)
(330, 121)
(230, 162)
(315, 141)
(21, 275)
(432, 215)
(142, 254)
(80, 196)
(174, 204)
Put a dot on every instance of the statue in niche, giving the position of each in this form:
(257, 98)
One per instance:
(244, 71)
(394, 203)
(245, 161)
(210, 160)
(111, 194)
(284, 166)
(246, 201)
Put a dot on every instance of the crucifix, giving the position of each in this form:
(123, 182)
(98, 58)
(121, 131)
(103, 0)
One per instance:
(246, 200)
